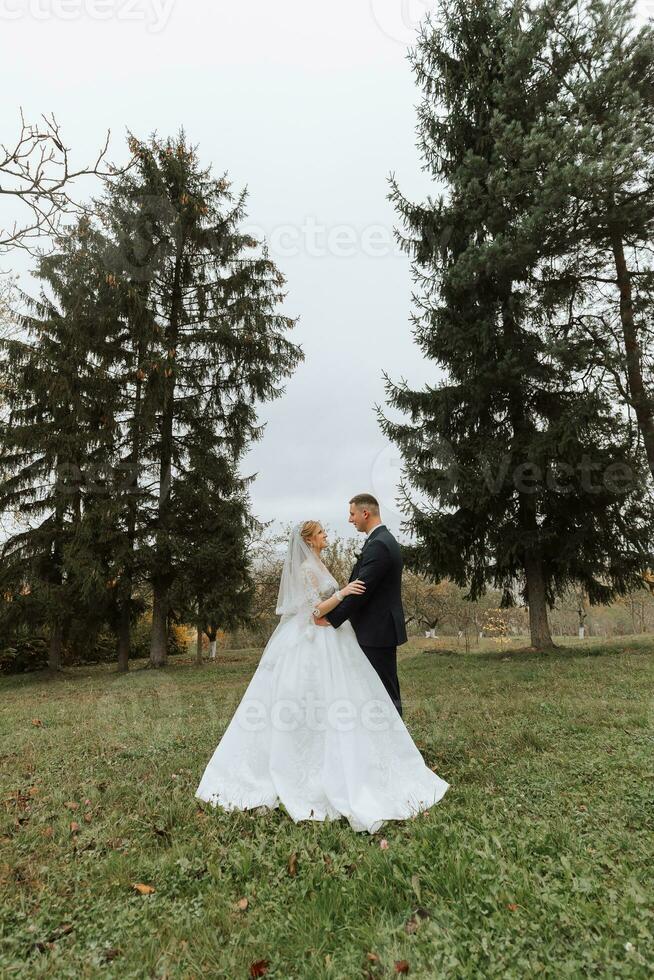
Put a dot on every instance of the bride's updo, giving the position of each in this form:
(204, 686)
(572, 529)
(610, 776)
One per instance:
(308, 529)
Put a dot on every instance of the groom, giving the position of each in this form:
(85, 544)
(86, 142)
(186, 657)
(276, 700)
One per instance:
(377, 615)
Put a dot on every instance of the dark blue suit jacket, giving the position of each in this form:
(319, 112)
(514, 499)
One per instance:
(377, 616)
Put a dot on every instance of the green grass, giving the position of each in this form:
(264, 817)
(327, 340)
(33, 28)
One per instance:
(538, 861)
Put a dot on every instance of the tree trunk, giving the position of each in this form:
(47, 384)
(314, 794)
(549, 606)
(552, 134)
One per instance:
(123, 639)
(541, 638)
(582, 613)
(525, 430)
(55, 581)
(198, 648)
(642, 403)
(161, 578)
(633, 615)
(159, 641)
(124, 629)
(56, 646)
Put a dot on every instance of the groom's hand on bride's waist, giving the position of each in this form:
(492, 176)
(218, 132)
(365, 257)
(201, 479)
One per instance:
(322, 621)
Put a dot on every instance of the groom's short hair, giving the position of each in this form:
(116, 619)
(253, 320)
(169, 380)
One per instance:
(366, 500)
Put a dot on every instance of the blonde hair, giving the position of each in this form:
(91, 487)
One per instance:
(308, 529)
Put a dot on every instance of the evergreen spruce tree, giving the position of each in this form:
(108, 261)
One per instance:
(130, 262)
(218, 345)
(601, 276)
(55, 435)
(524, 472)
(214, 587)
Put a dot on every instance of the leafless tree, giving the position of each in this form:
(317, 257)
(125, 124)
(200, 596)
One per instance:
(38, 173)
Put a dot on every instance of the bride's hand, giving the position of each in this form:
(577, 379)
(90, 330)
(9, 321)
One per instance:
(354, 588)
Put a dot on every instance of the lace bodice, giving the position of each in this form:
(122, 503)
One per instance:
(320, 583)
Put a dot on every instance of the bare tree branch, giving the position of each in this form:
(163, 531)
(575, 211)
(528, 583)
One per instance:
(37, 171)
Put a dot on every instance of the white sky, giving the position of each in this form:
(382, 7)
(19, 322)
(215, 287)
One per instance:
(309, 106)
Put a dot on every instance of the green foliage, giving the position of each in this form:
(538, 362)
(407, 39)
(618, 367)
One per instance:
(55, 438)
(128, 404)
(599, 282)
(218, 348)
(517, 470)
(31, 653)
(24, 654)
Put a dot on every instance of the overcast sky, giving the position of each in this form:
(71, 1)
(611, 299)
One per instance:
(310, 106)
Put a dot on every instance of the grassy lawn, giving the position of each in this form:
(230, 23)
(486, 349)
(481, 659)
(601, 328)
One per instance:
(537, 862)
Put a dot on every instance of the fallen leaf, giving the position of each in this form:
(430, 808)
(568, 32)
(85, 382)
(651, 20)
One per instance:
(143, 889)
(71, 805)
(292, 864)
(21, 800)
(88, 817)
(47, 831)
(33, 790)
(111, 954)
(401, 966)
(372, 957)
(74, 827)
(512, 907)
(383, 844)
(242, 904)
(37, 722)
(259, 968)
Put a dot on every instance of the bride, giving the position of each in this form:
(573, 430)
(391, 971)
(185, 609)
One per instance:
(316, 729)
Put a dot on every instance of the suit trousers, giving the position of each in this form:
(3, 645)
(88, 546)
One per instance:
(384, 660)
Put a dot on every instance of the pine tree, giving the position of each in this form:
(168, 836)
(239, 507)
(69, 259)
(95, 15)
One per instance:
(503, 451)
(218, 344)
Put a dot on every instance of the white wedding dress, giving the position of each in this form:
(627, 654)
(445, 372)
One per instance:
(316, 728)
